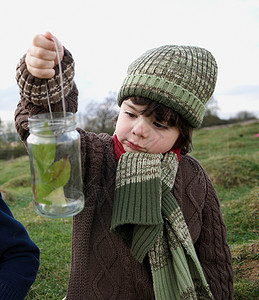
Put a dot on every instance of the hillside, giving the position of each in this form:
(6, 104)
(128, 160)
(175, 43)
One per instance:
(230, 154)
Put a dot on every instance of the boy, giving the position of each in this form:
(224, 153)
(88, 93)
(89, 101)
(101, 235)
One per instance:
(151, 227)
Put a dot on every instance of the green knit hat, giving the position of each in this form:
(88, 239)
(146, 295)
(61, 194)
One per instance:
(180, 77)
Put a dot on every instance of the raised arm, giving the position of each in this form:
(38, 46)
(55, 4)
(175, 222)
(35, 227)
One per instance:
(38, 77)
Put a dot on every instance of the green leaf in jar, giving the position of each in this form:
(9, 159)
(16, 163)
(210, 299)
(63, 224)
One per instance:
(44, 154)
(59, 172)
(50, 176)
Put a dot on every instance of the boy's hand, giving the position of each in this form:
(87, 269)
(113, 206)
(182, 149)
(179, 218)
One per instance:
(41, 57)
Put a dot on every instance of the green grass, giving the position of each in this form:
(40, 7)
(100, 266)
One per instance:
(230, 155)
(52, 236)
(224, 141)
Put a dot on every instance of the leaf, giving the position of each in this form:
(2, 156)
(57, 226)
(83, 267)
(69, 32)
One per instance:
(57, 197)
(44, 154)
(40, 191)
(59, 172)
(49, 175)
(49, 197)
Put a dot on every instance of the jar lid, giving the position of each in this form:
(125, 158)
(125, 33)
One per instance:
(54, 121)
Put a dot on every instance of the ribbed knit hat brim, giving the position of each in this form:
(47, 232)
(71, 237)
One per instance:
(180, 77)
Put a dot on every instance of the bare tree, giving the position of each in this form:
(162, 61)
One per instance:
(245, 115)
(99, 117)
(212, 107)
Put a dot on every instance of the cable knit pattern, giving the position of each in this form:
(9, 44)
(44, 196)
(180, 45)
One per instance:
(101, 264)
(206, 226)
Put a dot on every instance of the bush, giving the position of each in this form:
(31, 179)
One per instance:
(232, 170)
(12, 150)
(7, 195)
(19, 181)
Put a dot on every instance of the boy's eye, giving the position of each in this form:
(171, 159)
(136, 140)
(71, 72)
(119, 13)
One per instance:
(158, 125)
(130, 114)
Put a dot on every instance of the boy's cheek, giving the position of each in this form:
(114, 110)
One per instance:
(121, 127)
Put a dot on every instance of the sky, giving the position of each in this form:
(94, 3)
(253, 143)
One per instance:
(104, 37)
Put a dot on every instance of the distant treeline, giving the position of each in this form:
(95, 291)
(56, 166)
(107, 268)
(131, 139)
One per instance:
(100, 117)
(212, 119)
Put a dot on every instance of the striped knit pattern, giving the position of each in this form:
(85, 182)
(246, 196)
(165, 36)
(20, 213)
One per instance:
(135, 202)
(180, 77)
(34, 89)
(176, 270)
(147, 216)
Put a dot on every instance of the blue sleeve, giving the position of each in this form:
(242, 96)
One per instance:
(19, 257)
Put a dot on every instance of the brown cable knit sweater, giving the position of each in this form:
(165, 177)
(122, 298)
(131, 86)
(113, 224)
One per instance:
(101, 264)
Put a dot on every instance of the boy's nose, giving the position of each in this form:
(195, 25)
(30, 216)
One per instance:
(140, 128)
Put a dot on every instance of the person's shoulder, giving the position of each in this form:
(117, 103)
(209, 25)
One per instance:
(98, 144)
(106, 138)
(94, 138)
(190, 162)
(190, 169)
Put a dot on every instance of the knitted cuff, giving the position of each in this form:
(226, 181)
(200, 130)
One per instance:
(34, 89)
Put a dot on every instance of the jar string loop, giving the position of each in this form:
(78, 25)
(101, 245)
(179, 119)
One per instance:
(61, 84)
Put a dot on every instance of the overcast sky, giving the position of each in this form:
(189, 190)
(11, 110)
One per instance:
(106, 36)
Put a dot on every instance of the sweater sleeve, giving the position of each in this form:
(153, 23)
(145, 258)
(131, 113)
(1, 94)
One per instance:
(212, 247)
(34, 95)
(19, 257)
(200, 205)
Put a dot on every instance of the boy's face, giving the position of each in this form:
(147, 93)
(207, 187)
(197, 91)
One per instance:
(140, 133)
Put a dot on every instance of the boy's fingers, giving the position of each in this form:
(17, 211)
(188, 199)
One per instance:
(40, 63)
(41, 57)
(41, 41)
(46, 41)
(42, 53)
(41, 73)
(48, 35)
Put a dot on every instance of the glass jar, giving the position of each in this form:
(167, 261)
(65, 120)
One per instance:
(55, 161)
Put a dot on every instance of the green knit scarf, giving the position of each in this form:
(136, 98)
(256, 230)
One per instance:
(147, 216)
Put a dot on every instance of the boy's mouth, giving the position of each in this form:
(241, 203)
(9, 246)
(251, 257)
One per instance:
(134, 146)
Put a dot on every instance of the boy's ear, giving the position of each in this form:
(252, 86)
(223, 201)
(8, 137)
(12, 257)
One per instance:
(115, 119)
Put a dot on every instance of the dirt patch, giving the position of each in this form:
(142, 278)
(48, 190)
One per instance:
(6, 195)
(246, 262)
(250, 271)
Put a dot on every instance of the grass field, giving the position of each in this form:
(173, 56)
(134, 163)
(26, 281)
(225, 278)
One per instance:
(231, 157)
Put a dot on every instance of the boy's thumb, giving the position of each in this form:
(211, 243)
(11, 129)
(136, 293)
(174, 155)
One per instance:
(48, 35)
